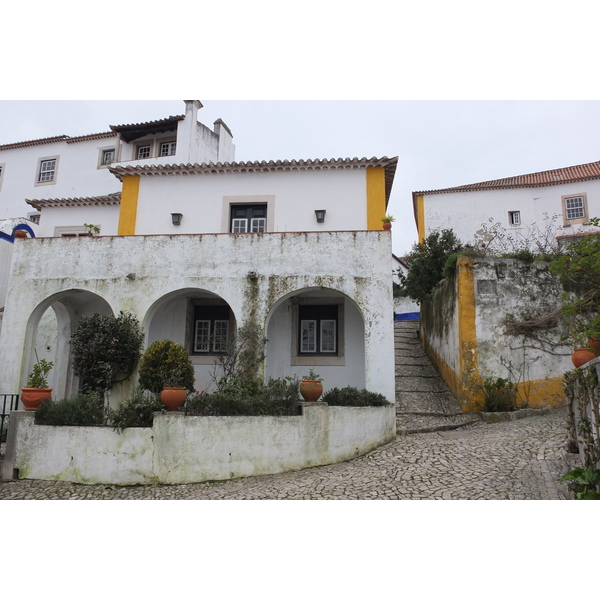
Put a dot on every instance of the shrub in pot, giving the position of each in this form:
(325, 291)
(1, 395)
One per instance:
(164, 367)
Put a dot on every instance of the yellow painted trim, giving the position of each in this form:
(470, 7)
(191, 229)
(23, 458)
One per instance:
(129, 202)
(539, 393)
(375, 198)
(471, 397)
(421, 218)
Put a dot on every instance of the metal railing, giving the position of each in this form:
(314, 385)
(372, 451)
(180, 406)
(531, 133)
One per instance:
(8, 402)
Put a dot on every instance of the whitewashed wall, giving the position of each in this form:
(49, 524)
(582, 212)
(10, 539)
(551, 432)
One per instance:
(140, 274)
(293, 198)
(77, 174)
(206, 448)
(465, 212)
(103, 216)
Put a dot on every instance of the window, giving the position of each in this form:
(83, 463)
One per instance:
(47, 170)
(70, 231)
(514, 217)
(143, 151)
(34, 217)
(168, 148)
(211, 329)
(574, 209)
(318, 329)
(108, 156)
(248, 218)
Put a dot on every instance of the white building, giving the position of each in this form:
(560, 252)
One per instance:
(558, 202)
(197, 249)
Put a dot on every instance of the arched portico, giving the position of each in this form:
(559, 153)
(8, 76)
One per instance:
(201, 321)
(316, 328)
(48, 334)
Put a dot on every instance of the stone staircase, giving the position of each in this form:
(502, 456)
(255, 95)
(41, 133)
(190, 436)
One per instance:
(423, 401)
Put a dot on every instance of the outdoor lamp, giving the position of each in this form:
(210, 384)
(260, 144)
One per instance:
(320, 214)
(176, 217)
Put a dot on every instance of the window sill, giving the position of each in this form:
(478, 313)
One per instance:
(319, 361)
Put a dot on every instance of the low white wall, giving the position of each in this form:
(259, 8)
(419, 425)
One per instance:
(184, 449)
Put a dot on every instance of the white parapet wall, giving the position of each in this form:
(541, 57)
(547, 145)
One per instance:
(186, 449)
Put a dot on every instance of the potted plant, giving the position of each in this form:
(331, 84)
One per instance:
(387, 222)
(166, 369)
(311, 387)
(37, 389)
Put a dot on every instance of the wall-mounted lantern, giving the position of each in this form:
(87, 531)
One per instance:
(320, 214)
(176, 218)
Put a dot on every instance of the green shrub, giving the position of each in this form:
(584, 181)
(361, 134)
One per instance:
(166, 364)
(38, 376)
(136, 411)
(275, 398)
(351, 396)
(500, 395)
(426, 264)
(584, 483)
(84, 409)
(106, 349)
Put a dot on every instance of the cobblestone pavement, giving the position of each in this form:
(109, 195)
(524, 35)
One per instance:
(510, 460)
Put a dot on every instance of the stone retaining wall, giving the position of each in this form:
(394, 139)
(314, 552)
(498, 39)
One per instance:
(184, 449)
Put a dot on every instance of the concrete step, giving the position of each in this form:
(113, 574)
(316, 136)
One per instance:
(407, 423)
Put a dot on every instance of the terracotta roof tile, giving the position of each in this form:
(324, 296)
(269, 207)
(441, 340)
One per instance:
(389, 164)
(39, 142)
(109, 199)
(541, 179)
(92, 136)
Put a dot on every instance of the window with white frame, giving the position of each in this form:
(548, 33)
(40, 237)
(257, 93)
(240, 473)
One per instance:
(574, 207)
(47, 170)
(70, 231)
(34, 217)
(143, 151)
(248, 218)
(318, 329)
(168, 148)
(108, 156)
(211, 329)
(514, 217)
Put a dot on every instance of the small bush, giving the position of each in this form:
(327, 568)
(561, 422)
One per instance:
(84, 409)
(278, 397)
(351, 396)
(500, 395)
(136, 411)
(166, 364)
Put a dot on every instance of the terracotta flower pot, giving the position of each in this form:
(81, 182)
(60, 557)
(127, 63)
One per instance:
(33, 397)
(311, 390)
(581, 356)
(595, 345)
(387, 225)
(173, 397)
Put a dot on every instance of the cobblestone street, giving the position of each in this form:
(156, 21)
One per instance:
(518, 460)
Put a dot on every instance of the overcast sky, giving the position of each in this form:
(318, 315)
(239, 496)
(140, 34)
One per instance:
(438, 143)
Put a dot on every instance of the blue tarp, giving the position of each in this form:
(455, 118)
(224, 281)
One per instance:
(413, 316)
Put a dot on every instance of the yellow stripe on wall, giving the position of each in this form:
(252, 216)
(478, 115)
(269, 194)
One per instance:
(471, 399)
(375, 197)
(421, 218)
(129, 202)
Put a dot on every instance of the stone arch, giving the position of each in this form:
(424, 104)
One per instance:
(345, 366)
(48, 333)
(173, 316)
